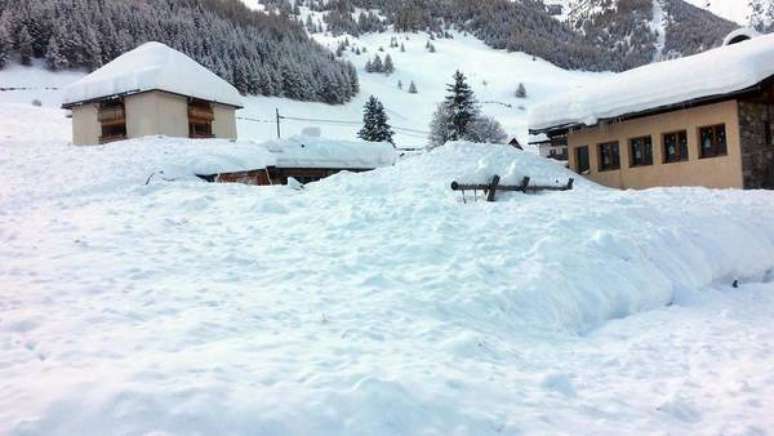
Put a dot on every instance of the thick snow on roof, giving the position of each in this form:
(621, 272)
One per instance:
(311, 152)
(153, 66)
(715, 72)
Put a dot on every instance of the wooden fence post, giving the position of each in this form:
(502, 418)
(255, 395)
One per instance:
(493, 188)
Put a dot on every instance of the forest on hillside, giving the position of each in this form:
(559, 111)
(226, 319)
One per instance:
(259, 53)
(617, 38)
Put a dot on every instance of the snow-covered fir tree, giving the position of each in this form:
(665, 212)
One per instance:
(24, 45)
(54, 58)
(521, 91)
(389, 67)
(6, 44)
(413, 88)
(462, 107)
(376, 127)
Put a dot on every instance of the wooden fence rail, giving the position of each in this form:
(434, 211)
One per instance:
(492, 187)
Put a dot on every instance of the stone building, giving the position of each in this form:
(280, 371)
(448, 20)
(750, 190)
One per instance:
(151, 90)
(703, 120)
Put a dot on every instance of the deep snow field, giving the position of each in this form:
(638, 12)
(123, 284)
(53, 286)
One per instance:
(374, 303)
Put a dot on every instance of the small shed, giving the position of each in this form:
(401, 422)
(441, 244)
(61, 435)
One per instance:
(151, 90)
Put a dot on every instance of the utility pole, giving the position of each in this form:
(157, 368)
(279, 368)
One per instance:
(279, 136)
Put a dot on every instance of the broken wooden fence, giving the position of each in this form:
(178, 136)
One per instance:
(490, 189)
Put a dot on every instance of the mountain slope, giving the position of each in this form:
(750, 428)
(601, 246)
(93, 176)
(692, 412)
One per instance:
(586, 34)
(757, 13)
(259, 53)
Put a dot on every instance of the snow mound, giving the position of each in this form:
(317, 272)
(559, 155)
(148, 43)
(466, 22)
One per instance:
(153, 66)
(715, 72)
(316, 152)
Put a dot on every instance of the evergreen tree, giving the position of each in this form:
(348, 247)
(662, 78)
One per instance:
(521, 91)
(462, 107)
(369, 66)
(413, 88)
(400, 85)
(376, 127)
(54, 58)
(389, 67)
(5, 43)
(24, 46)
(377, 66)
(402, 48)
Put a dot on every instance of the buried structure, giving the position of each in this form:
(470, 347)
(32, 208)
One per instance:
(151, 90)
(309, 159)
(703, 120)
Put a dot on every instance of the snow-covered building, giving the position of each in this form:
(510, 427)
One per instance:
(151, 90)
(703, 120)
(308, 159)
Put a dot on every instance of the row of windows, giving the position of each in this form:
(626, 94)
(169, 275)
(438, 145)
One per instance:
(712, 143)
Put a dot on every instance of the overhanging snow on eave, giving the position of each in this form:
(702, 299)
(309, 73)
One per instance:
(564, 128)
(140, 91)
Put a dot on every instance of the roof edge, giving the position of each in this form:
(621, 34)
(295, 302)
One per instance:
(685, 104)
(71, 105)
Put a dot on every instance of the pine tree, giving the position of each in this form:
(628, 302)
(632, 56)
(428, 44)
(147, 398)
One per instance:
(400, 85)
(462, 107)
(413, 88)
(369, 66)
(377, 66)
(5, 43)
(402, 48)
(389, 67)
(521, 91)
(54, 58)
(24, 46)
(376, 127)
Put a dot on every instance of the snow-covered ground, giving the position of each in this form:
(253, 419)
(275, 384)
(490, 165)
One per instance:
(375, 303)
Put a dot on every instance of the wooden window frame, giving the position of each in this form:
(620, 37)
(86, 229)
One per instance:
(577, 160)
(679, 147)
(716, 150)
(615, 165)
(111, 116)
(201, 115)
(645, 161)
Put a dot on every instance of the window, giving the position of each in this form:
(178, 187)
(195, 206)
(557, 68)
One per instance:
(767, 130)
(675, 146)
(609, 156)
(200, 117)
(112, 119)
(712, 141)
(641, 151)
(582, 159)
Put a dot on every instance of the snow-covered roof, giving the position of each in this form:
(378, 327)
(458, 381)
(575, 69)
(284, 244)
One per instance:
(312, 152)
(716, 72)
(153, 66)
(741, 34)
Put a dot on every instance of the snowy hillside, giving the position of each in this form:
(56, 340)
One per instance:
(743, 12)
(375, 303)
(494, 76)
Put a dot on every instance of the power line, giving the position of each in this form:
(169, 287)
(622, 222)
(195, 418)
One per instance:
(405, 130)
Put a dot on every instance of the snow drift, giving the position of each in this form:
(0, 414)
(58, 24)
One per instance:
(371, 303)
